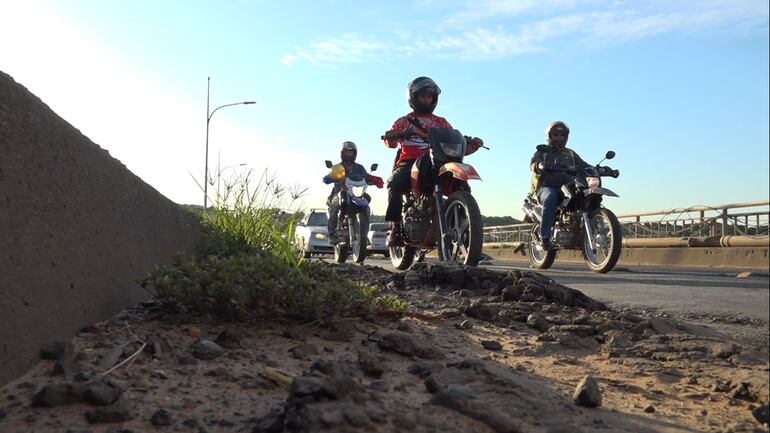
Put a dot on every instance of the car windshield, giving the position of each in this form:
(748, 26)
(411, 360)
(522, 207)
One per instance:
(317, 219)
(378, 227)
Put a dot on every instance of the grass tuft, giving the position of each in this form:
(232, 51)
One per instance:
(247, 268)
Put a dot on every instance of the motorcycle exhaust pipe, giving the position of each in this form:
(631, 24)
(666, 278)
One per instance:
(534, 212)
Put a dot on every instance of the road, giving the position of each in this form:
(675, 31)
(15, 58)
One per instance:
(674, 290)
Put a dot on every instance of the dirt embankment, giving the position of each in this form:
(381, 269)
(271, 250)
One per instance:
(478, 351)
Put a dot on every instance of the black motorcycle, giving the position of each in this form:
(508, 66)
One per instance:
(581, 222)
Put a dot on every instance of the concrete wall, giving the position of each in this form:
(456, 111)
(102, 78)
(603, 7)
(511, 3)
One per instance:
(743, 258)
(77, 229)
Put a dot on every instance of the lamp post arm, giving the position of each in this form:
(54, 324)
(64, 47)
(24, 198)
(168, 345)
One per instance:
(228, 105)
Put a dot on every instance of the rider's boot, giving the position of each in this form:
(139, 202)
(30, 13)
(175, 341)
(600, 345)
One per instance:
(394, 235)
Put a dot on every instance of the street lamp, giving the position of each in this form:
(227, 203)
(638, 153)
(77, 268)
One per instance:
(208, 120)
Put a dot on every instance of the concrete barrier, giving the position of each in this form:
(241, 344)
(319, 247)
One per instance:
(77, 229)
(745, 258)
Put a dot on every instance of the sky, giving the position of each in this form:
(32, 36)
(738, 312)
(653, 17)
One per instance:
(678, 89)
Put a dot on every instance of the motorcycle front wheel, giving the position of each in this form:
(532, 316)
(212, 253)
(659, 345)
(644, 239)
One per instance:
(540, 258)
(465, 233)
(401, 257)
(359, 226)
(608, 241)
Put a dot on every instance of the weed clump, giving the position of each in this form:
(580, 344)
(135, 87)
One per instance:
(247, 268)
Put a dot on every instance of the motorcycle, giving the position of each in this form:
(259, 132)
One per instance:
(354, 213)
(439, 210)
(581, 222)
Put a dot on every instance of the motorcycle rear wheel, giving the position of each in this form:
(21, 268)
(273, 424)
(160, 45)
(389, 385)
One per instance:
(540, 258)
(608, 240)
(464, 229)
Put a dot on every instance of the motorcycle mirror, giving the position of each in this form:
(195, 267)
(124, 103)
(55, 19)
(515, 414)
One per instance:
(328, 164)
(374, 167)
(609, 155)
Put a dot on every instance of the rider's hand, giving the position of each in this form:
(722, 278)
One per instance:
(376, 181)
(474, 143)
(328, 180)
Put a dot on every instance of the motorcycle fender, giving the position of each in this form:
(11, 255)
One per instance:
(459, 171)
(360, 202)
(600, 191)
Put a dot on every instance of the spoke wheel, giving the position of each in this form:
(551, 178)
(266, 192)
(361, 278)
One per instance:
(607, 241)
(540, 258)
(464, 230)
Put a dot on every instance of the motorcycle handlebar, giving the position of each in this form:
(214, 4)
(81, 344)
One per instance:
(608, 171)
(397, 135)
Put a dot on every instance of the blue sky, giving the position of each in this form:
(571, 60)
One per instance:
(679, 89)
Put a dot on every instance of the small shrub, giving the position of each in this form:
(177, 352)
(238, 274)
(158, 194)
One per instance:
(246, 267)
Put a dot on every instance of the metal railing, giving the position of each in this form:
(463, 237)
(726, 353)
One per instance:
(695, 222)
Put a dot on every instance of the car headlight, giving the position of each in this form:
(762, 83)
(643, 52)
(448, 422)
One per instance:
(320, 236)
(593, 182)
(357, 191)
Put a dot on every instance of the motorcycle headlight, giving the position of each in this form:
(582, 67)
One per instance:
(358, 191)
(593, 182)
(320, 236)
(454, 150)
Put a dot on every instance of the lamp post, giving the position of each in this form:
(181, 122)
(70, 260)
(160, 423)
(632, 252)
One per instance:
(208, 120)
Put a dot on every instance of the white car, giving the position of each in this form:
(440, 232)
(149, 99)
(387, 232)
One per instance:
(311, 235)
(378, 232)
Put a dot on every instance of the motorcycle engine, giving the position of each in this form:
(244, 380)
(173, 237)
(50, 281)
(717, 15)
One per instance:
(417, 220)
(566, 231)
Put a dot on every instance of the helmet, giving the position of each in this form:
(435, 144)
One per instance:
(422, 84)
(345, 152)
(554, 128)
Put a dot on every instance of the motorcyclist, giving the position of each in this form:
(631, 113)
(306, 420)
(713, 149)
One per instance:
(422, 94)
(348, 154)
(551, 169)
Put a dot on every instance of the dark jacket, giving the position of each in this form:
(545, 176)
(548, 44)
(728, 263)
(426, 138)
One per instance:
(565, 157)
(357, 170)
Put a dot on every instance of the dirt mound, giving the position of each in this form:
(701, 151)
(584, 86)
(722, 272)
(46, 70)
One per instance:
(476, 351)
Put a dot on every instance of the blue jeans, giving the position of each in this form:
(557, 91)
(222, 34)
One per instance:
(549, 197)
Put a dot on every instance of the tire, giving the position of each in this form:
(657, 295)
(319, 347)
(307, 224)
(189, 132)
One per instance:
(340, 253)
(401, 257)
(359, 227)
(540, 258)
(608, 239)
(464, 229)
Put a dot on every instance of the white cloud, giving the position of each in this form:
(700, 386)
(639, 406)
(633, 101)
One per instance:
(505, 28)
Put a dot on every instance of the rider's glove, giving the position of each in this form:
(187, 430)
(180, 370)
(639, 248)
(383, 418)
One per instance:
(375, 180)
(544, 167)
(328, 180)
(473, 144)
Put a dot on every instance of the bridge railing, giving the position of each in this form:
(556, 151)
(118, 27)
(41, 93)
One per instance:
(747, 219)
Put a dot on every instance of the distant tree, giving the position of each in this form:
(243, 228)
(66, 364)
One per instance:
(489, 221)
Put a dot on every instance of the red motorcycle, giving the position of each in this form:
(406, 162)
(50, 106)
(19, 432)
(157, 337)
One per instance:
(439, 210)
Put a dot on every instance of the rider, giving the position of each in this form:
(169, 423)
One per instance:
(422, 95)
(550, 170)
(348, 154)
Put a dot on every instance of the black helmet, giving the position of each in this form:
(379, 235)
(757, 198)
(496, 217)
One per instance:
(557, 127)
(422, 84)
(345, 151)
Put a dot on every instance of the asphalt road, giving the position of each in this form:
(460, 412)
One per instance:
(675, 290)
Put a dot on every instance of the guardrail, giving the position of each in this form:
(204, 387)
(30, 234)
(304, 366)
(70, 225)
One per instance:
(695, 226)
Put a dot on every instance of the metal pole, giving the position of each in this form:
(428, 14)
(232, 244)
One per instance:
(206, 166)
